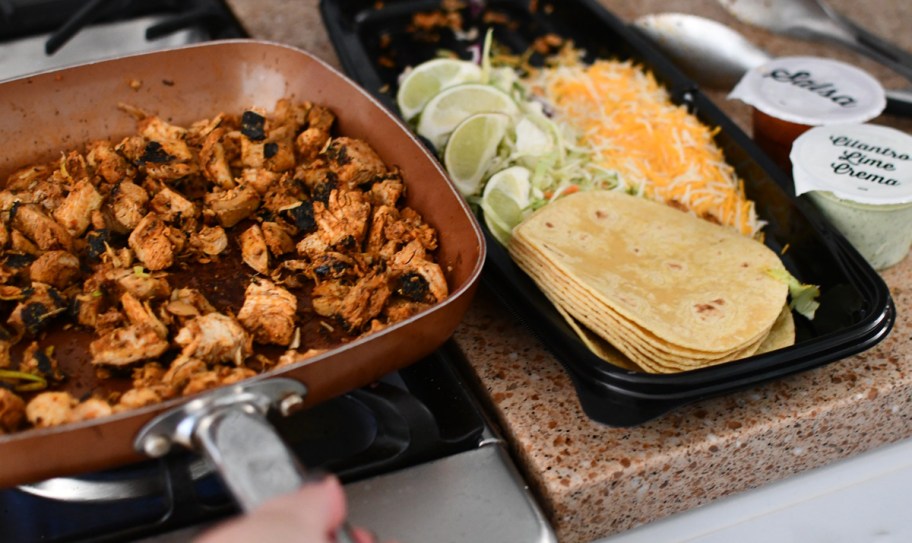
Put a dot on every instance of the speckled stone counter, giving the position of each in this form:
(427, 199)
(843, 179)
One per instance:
(594, 480)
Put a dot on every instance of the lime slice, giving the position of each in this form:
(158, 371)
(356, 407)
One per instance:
(453, 105)
(429, 78)
(471, 149)
(505, 201)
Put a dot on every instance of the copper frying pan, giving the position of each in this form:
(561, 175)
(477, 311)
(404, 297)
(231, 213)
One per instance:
(46, 113)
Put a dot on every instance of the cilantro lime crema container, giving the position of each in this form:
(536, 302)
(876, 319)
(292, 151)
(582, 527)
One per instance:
(860, 177)
(789, 95)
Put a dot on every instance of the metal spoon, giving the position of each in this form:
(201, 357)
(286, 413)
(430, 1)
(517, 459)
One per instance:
(815, 19)
(716, 56)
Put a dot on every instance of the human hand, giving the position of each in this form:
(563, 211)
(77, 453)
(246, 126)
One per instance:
(312, 514)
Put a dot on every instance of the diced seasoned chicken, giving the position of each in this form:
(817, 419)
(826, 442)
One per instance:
(50, 409)
(107, 163)
(254, 250)
(151, 243)
(171, 205)
(210, 240)
(171, 138)
(141, 314)
(278, 238)
(44, 231)
(410, 227)
(342, 222)
(91, 408)
(214, 338)
(38, 361)
(387, 192)
(88, 307)
(320, 117)
(20, 244)
(418, 278)
(399, 309)
(35, 312)
(76, 211)
(234, 205)
(353, 161)
(26, 178)
(311, 142)
(188, 303)
(170, 171)
(12, 411)
(284, 193)
(129, 205)
(269, 312)
(139, 397)
(127, 344)
(353, 305)
(260, 179)
(182, 370)
(56, 268)
(215, 163)
(142, 285)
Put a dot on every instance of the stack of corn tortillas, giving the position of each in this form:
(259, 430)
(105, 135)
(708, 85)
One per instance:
(648, 286)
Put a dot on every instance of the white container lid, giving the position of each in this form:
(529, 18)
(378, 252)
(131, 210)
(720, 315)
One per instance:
(812, 91)
(863, 163)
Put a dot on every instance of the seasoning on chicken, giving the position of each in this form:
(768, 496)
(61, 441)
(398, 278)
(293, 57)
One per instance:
(254, 250)
(76, 211)
(233, 205)
(56, 268)
(109, 241)
(269, 312)
(128, 344)
(214, 338)
(151, 241)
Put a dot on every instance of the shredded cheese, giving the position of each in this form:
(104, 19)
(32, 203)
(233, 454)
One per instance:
(655, 148)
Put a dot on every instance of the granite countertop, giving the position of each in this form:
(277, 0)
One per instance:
(595, 480)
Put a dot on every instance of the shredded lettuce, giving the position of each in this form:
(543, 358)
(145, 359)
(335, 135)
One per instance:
(803, 296)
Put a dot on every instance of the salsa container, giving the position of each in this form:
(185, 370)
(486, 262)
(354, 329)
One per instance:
(375, 42)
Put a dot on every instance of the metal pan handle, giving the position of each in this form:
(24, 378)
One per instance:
(229, 427)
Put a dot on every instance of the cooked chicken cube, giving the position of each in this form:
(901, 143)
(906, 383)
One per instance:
(260, 179)
(88, 307)
(234, 205)
(128, 344)
(353, 161)
(171, 205)
(107, 163)
(199, 382)
(419, 279)
(56, 268)
(311, 142)
(387, 192)
(5, 359)
(47, 233)
(50, 409)
(210, 240)
(215, 163)
(353, 305)
(34, 313)
(171, 138)
(342, 222)
(139, 397)
(38, 361)
(151, 242)
(214, 338)
(142, 285)
(278, 238)
(91, 408)
(269, 312)
(141, 314)
(130, 201)
(76, 211)
(12, 411)
(254, 250)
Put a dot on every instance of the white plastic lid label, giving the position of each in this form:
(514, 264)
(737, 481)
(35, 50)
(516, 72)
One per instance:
(863, 163)
(812, 91)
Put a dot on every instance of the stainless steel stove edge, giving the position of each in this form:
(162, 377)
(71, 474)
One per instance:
(475, 496)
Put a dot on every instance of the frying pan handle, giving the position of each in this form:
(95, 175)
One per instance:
(229, 427)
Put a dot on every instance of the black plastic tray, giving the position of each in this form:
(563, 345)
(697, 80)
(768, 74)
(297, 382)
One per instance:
(374, 43)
